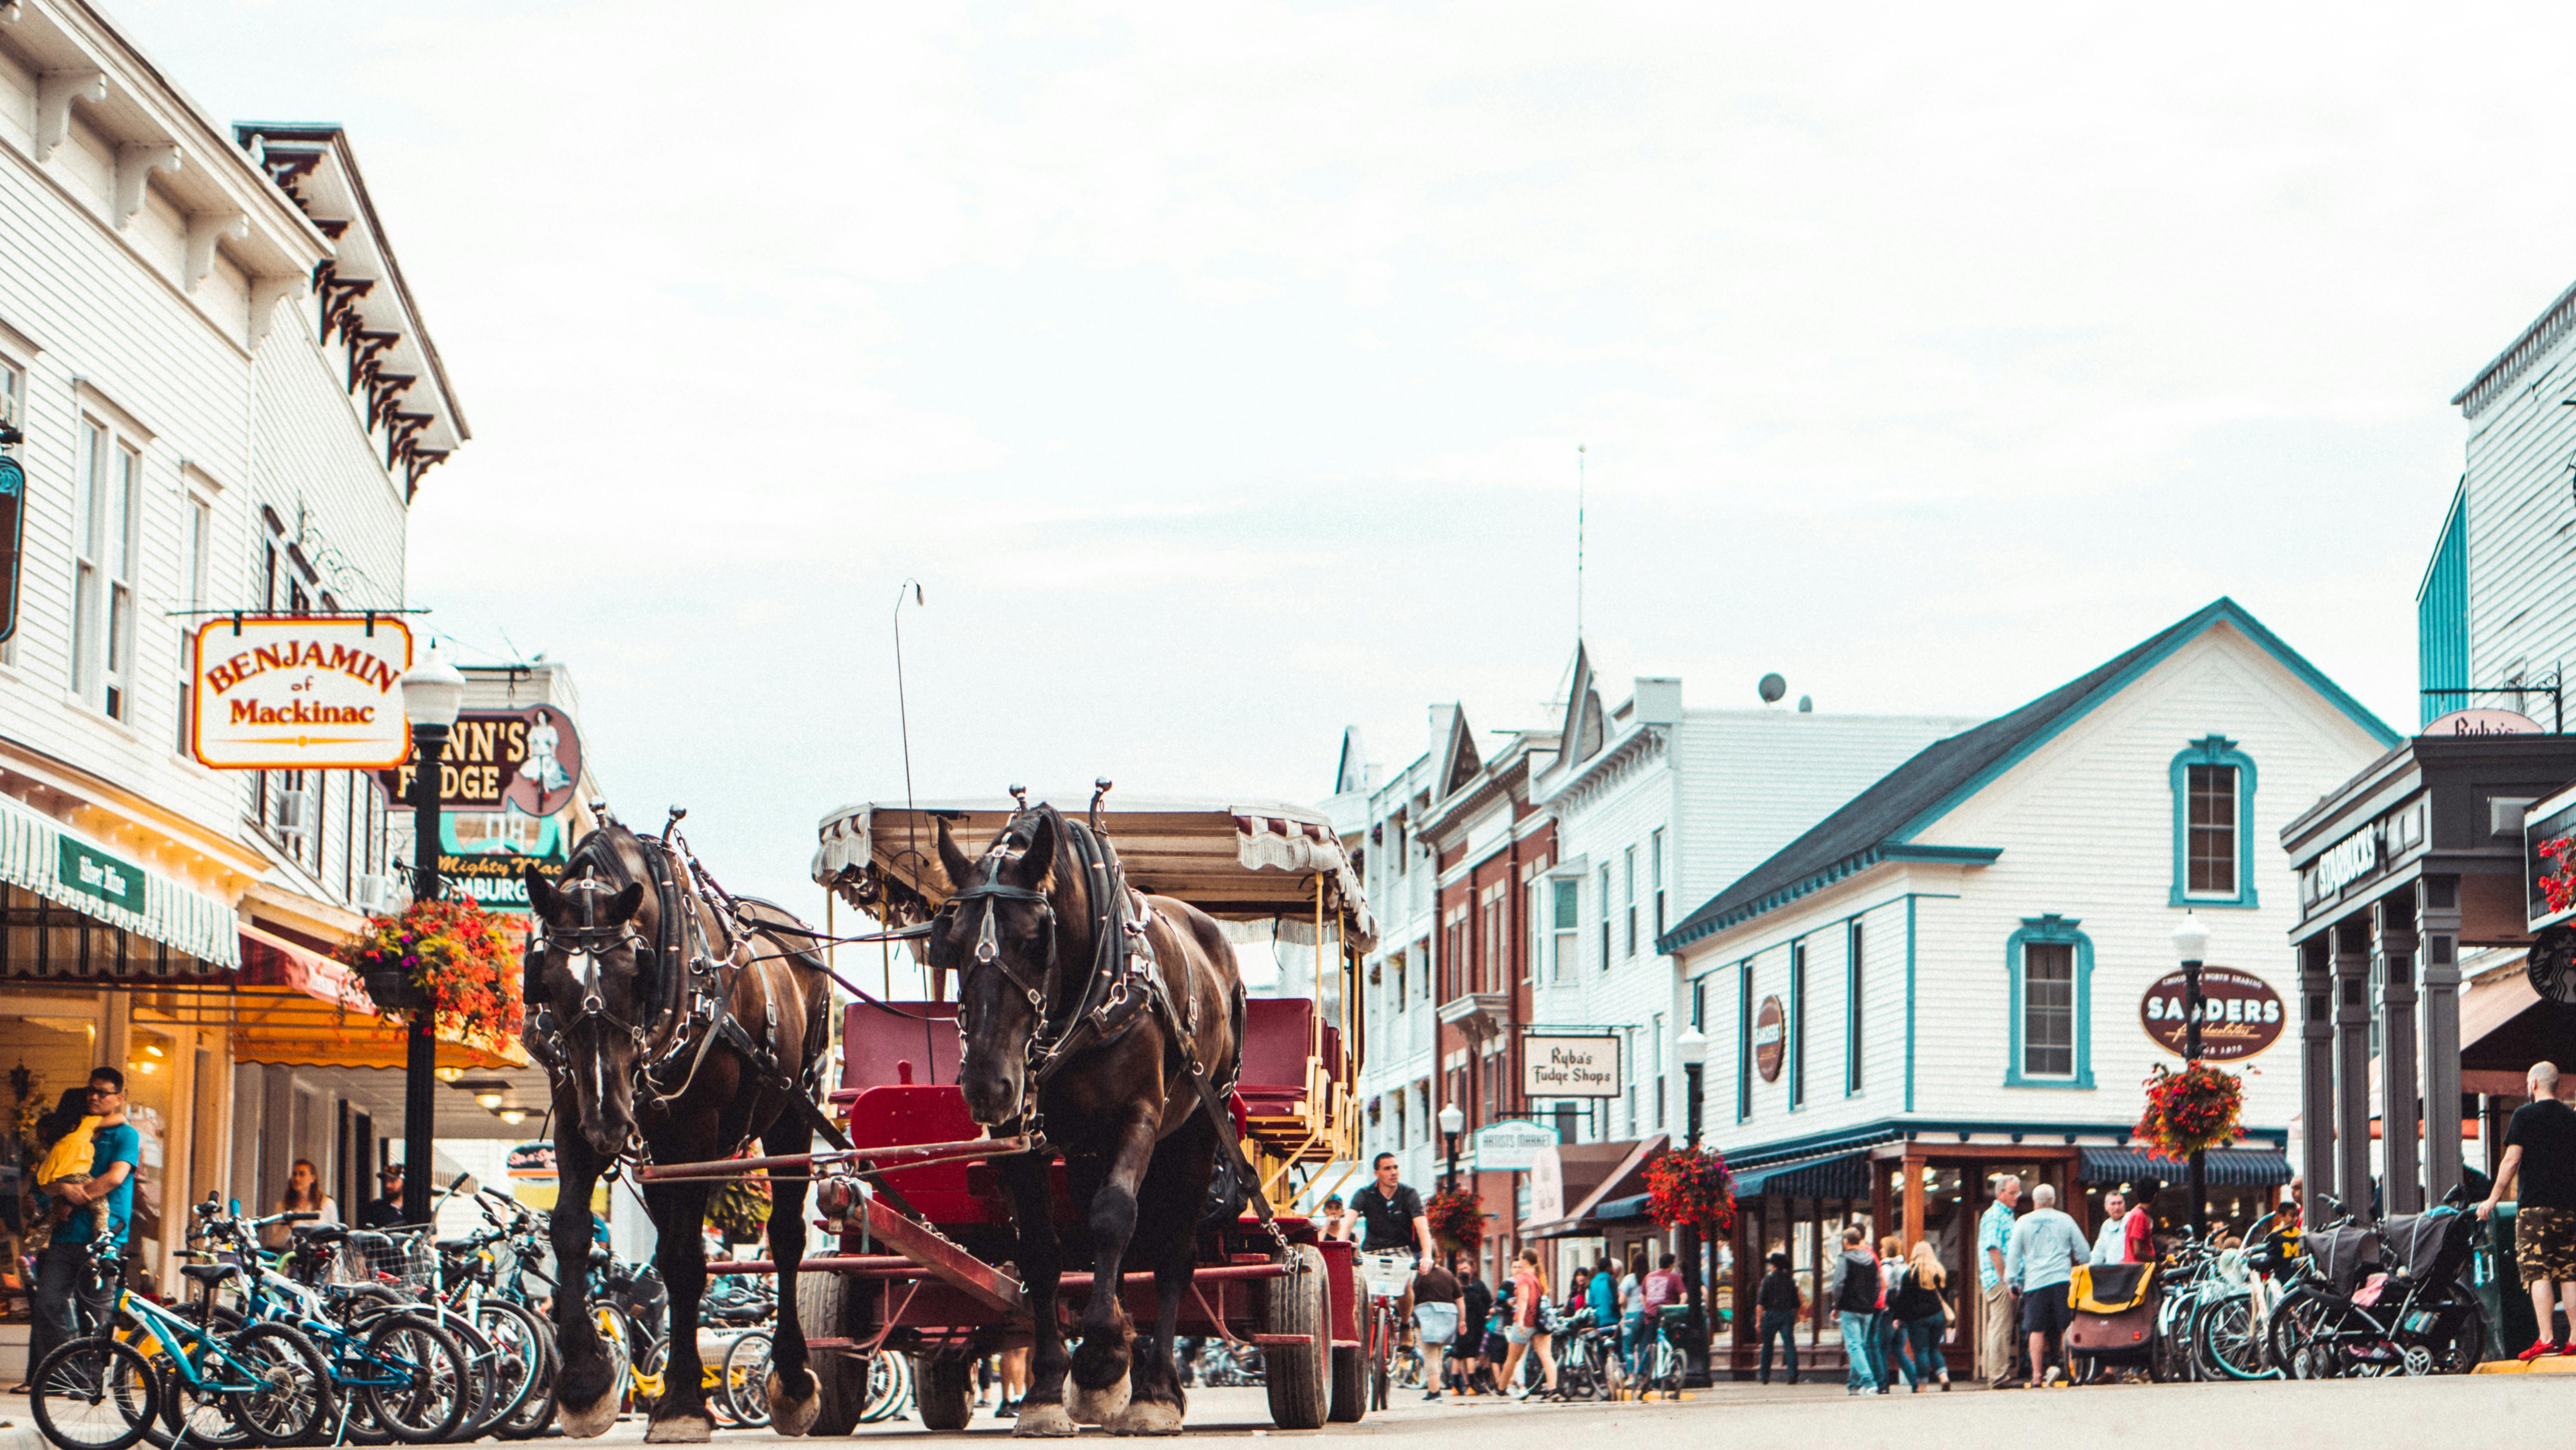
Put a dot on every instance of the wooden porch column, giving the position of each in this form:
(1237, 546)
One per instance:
(2316, 1067)
(1913, 1171)
(2438, 928)
(2352, 1067)
(2392, 920)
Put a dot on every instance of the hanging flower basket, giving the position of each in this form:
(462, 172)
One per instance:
(451, 959)
(740, 1209)
(1690, 1188)
(1457, 1219)
(2191, 1111)
(2558, 884)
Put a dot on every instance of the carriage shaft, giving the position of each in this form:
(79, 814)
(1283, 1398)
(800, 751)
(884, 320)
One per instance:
(905, 1156)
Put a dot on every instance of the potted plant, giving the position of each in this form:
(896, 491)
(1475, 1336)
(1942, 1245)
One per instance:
(2190, 1111)
(450, 958)
(1691, 1187)
(1457, 1219)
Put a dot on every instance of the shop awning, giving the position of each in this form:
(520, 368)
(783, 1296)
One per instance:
(50, 859)
(1619, 1210)
(1843, 1174)
(1622, 1181)
(2227, 1167)
(295, 1007)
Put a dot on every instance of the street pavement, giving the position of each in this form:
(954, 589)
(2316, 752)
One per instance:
(2421, 1414)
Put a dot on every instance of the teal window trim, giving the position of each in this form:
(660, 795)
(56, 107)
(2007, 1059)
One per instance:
(1744, 1040)
(1797, 1025)
(2051, 929)
(2213, 750)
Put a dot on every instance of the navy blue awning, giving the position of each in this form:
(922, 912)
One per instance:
(1633, 1206)
(1833, 1175)
(2227, 1167)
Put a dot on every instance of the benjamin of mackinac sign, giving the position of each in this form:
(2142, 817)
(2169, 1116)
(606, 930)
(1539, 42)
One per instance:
(300, 692)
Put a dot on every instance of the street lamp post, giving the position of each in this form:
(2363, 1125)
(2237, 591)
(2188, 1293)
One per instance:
(2191, 944)
(1692, 1048)
(432, 693)
(1452, 1123)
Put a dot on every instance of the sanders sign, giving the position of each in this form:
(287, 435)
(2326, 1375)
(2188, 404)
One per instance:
(296, 692)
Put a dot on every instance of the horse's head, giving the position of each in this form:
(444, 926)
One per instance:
(998, 932)
(586, 967)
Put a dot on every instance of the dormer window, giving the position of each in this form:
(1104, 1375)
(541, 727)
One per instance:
(2213, 790)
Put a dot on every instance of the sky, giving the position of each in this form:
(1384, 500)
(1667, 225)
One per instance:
(1219, 372)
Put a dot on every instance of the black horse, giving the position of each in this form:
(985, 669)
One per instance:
(677, 1024)
(1107, 1025)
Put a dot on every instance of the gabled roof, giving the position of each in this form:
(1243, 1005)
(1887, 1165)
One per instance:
(1881, 822)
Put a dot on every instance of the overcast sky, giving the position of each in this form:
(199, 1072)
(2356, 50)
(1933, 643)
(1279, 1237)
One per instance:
(1219, 369)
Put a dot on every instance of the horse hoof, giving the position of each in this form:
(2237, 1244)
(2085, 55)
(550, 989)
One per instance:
(681, 1430)
(794, 1416)
(1148, 1417)
(1095, 1407)
(1038, 1418)
(582, 1423)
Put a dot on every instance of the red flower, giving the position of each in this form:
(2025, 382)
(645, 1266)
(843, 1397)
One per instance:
(1457, 1219)
(1691, 1186)
(2190, 1111)
(456, 955)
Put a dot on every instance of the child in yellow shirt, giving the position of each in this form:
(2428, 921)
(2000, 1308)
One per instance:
(67, 1164)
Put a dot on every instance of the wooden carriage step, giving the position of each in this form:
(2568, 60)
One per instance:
(1281, 1341)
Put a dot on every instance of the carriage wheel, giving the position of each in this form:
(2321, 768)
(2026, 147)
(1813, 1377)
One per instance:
(824, 1310)
(1298, 1305)
(943, 1389)
(1351, 1384)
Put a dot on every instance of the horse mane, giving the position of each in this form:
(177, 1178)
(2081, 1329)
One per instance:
(604, 850)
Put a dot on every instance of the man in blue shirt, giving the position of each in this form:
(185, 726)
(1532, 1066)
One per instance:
(63, 1271)
(1994, 1237)
(2046, 1247)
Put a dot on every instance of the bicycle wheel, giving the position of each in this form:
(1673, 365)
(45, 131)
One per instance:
(2227, 1338)
(518, 1358)
(291, 1402)
(425, 1388)
(1381, 1357)
(746, 1379)
(2299, 1341)
(94, 1394)
(537, 1410)
(483, 1371)
(889, 1388)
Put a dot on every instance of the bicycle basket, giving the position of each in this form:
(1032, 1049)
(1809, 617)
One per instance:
(2431, 1248)
(1438, 1323)
(1389, 1275)
(367, 1257)
(2341, 1255)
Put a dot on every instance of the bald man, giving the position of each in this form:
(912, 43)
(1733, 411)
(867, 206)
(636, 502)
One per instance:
(2540, 1148)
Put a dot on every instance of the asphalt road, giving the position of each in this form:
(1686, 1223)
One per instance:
(2510, 1411)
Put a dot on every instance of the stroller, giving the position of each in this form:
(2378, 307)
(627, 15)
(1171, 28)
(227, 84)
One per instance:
(2400, 1310)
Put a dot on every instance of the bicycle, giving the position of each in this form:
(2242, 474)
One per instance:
(1663, 1358)
(1588, 1366)
(1389, 1276)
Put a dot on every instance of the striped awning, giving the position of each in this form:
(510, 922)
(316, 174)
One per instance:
(2227, 1167)
(42, 855)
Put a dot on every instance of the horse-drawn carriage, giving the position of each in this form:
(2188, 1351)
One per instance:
(925, 1197)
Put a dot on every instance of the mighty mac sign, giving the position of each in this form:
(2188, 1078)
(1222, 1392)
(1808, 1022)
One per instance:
(297, 692)
(1570, 1067)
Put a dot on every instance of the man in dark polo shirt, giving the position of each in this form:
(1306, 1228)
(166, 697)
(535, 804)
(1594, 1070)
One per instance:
(2540, 1148)
(1391, 1215)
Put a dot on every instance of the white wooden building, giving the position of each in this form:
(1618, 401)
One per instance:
(225, 397)
(1946, 978)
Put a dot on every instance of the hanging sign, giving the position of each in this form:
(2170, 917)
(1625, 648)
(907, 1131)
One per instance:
(524, 760)
(13, 531)
(2240, 1014)
(486, 854)
(1770, 1038)
(1571, 1067)
(299, 692)
(2482, 722)
(2549, 860)
(1511, 1146)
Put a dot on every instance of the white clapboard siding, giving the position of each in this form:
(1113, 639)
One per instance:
(2522, 532)
(2085, 827)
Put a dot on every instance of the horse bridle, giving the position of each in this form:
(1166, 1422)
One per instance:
(990, 893)
(586, 945)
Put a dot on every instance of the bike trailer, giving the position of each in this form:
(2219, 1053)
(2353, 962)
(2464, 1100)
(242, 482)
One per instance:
(2115, 1311)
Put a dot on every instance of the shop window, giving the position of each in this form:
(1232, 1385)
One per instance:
(1655, 875)
(2050, 968)
(103, 537)
(1797, 1025)
(1605, 916)
(1567, 920)
(2213, 803)
(1628, 894)
(1852, 1016)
